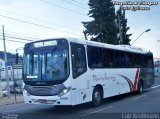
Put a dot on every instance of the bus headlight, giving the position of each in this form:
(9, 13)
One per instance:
(64, 91)
(26, 93)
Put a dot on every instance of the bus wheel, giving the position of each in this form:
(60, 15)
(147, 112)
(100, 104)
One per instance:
(140, 87)
(97, 96)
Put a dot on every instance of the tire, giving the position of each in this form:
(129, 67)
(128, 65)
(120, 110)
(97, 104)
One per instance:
(97, 97)
(140, 87)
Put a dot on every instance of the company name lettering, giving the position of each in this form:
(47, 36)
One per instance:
(105, 77)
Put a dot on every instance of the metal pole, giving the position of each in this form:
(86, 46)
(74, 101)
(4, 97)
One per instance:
(85, 35)
(17, 64)
(140, 35)
(5, 57)
(14, 85)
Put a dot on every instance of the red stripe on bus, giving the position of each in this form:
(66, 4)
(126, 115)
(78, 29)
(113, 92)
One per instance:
(136, 80)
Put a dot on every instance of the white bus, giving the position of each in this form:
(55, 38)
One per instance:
(68, 71)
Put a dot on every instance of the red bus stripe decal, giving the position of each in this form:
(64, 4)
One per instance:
(129, 82)
(136, 80)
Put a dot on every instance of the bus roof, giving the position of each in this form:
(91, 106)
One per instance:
(109, 46)
(103, 45)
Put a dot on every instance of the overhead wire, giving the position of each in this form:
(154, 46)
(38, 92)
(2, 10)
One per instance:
(63, 7)
(20, 40)
(17, 37)
(44, 21)
(74, 4)
(28, 36)
(14, 41)
(78, 2)
(24, 37)
(39, 25)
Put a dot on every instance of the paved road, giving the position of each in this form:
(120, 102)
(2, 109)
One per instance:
(123, 107)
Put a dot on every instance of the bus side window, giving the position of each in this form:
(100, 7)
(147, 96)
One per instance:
(142, 60)
(131, 60)
(127, 61)
(78, 59)
(108, 58)
(119, 59)
(137, 60)
(94, 57)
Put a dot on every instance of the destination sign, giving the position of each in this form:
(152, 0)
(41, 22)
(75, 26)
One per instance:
(32, 77)
(45, 43)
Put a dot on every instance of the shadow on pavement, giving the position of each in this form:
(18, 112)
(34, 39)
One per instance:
(67, 110)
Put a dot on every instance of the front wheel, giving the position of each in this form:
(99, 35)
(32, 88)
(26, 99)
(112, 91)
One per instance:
(97, 96)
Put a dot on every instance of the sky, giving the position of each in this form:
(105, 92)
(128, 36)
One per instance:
(41, 19)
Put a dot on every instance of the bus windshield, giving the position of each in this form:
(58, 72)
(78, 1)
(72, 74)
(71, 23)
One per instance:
(46, 65)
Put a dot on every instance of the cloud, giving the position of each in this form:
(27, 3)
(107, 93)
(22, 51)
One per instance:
(3, 8)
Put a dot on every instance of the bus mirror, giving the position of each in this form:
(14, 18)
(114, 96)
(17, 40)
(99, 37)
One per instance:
(17, 56)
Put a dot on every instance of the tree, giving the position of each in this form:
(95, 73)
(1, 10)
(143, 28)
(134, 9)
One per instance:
(103, 27)
(122, 26)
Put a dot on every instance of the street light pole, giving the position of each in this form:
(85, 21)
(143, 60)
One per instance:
(5, 57)
(140, 35)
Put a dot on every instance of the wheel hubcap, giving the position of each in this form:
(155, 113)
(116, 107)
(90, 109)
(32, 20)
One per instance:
(141, 89)
(97, 96)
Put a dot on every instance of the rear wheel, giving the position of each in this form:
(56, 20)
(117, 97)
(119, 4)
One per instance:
(97, 96)
(140, 87)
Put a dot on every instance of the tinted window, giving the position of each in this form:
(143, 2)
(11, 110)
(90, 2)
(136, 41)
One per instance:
(137, 60)
(143, 60)
(108, 58)
(94, 57)
(119, 59)
(129, 61)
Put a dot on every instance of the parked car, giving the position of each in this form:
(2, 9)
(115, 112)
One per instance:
(18, 90)
(4, 92)
(11, 89)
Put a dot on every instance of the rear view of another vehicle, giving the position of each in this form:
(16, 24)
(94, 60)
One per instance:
(4, 92)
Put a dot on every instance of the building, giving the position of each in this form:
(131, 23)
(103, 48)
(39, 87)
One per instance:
(14, 73)
(157, 68)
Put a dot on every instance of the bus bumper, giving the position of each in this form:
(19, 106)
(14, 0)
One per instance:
(51, 100)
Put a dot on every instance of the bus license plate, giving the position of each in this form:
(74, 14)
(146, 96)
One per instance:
(42, 101)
